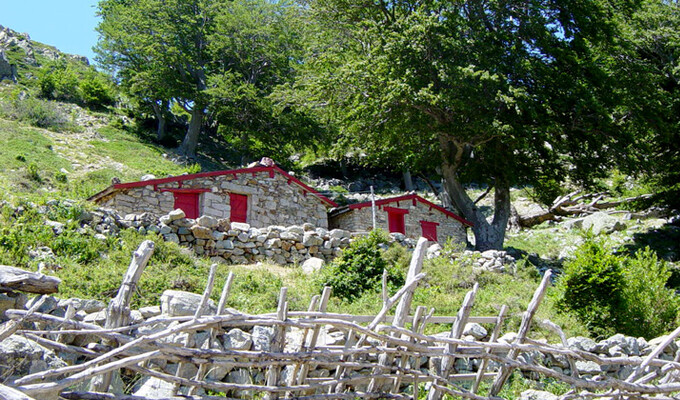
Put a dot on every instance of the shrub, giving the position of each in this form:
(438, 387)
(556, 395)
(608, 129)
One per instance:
(611, 293)
(39, 113)
(96, 91)
(360, 268)
(33, 172)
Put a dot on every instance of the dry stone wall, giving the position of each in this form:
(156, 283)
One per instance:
(362, 219)
(240, 243)
(272, 199)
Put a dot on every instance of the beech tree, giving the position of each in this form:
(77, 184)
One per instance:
(160, 48)
(502, 92)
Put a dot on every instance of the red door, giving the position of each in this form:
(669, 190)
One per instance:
(395, 219)
(187, 202)
(429, 230)
(239, 207)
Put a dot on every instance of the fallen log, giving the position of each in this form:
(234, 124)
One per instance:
(12, 278)
(572, 205)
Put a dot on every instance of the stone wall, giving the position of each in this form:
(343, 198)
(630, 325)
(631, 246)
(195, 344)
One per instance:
(362, 219)
(239, 243)
(272, 199)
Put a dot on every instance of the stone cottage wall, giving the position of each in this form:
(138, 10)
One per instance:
(272, 199)
(362, 219)
(238, 243)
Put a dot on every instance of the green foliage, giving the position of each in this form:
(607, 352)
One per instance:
(33, 172)
(36, 112)
(193, 168)
(612, 293)
(59, 81)
(360, 268)
(592, 287)
(75, 83)
(96, 91)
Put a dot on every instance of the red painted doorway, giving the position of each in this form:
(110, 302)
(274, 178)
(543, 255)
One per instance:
(187, 202)
(239, 207)
(429, 230)
(395, 219)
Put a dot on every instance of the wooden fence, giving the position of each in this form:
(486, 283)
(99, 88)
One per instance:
(381, 357)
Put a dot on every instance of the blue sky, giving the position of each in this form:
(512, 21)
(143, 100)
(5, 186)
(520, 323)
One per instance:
(65, 24)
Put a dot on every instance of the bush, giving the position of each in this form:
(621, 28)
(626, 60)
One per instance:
(36, 112)
(96, 92)
(611, 293)
(360, 268)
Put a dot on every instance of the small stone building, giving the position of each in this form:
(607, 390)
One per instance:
(410, 215)
(260, 196)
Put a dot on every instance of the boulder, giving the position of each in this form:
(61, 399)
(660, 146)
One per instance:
(532, 394)
(236, 339)
(601, 222)
(155, 388)
(207, 221)
(7, 70)
(201, 232)
(176, 214)
(240, 226)
(312, 239)
(262, 338)
(176, 303)
(20, 356)
(312, 265)
(475, 330)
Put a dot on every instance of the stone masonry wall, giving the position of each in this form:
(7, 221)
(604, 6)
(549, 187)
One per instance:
(362, 219)
(239, 243)
(272, 200)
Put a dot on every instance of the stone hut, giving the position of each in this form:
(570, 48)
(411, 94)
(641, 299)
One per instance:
(260, 196)
(410, 215)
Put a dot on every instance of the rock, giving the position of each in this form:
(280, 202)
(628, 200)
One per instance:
(176, 214)
(288, 235)
(240, 226)
(98, 318)
(312, 265)
(87, 305)
(201, 232)
(574, 223)
(171, 237)
(629, 345)
(601, 222)
(154, 388)
(672, 348)
(7, 302)
(588, 367)
(7, 70)
(148, 177)
(236, 339)
(339, 234)
(150, 311)
(475, 330)
(207, 221)
(20, 356)
(581, 343)
(176, 303)
(262, 338)
(532, 394)
(312, 239)
(434, 251)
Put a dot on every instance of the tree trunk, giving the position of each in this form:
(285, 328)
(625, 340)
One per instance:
(188, 146)
(487, 235)
(408, 182)
(159, 112)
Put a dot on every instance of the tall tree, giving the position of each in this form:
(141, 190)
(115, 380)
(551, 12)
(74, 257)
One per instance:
(255, 45)
(159, 49)
(653, 73)
(505, 92)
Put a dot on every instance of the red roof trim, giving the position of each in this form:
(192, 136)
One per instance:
(234, 172)
(412, 197)
(396, 210)
(186, 190)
